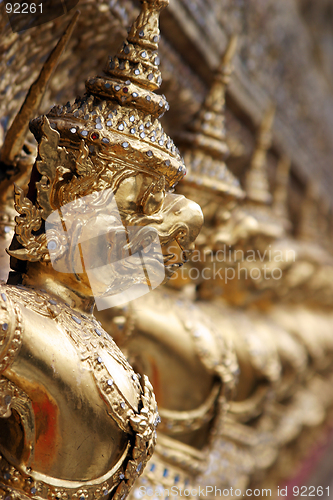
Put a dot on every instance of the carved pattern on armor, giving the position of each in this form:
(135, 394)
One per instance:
(86, 333)
(88, 337)
(16, 484)
(13, 398)
(123, 474)
(10, 341)
(35, 247)
(173, 465)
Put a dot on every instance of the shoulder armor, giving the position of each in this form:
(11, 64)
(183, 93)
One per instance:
(10, 329)
(134, 412)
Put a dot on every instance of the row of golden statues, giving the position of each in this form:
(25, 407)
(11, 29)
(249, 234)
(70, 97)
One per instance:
(236, 348)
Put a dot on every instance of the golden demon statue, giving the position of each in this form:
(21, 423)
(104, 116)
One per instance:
(235, 385)
(75, 421)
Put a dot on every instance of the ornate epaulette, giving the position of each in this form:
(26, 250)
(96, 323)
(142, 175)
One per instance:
(10, 329)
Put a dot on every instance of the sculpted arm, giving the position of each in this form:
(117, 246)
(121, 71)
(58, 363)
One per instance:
(10, 341)
(10, 323)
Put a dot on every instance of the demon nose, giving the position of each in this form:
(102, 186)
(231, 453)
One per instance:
(182, 222)
(190, 220)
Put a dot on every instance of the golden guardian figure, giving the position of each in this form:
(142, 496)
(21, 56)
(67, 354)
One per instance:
(76, 422)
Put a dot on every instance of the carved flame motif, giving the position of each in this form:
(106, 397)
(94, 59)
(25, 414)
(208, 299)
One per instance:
(30, 221)
(52, 157)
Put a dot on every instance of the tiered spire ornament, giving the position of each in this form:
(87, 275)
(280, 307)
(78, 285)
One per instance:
(138, 60)
(204, 143)
(308, 224)
(324, 222)
(135, 67)
(270, 226)
(280, 197)
(256, 182)
(118, 116)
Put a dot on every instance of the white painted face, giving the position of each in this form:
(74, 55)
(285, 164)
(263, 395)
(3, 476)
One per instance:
(116, 248)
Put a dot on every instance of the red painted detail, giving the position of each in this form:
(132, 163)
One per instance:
(46, 419)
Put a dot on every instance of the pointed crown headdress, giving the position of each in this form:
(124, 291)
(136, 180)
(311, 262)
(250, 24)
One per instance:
(256, 182)
(117, 119)
(258, 196)
(280, 197)
(109, 134)
(204, 143)
(308, 223)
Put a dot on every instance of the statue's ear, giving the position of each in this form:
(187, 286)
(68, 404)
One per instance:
(50, 159)
(62, 236)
